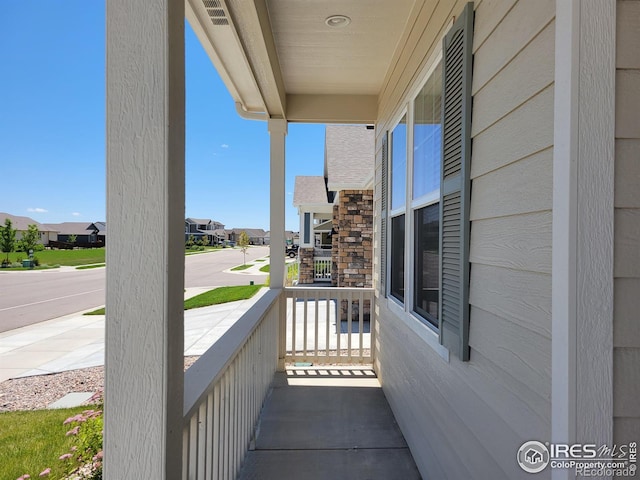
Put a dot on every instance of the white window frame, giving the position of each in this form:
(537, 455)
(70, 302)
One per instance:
(405, 310)
(404, 113)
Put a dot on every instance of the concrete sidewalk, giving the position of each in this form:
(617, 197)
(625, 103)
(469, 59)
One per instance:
(77, 341)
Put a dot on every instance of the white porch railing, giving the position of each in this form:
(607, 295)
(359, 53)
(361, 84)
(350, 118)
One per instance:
(224, 392)
(322, 269)
(329, 325)
(226, 387)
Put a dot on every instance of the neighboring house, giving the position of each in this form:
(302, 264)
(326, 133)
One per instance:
(506, 219)
(290, 238)
(199, 227)
(98, 233)
(85, 235)
(257, 236)
(336, 211)
(21, 225)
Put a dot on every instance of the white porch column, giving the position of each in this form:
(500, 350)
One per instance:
(582, 298)
(145, 252)
(277, 132)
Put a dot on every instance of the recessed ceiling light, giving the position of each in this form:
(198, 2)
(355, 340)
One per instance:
(337, 21)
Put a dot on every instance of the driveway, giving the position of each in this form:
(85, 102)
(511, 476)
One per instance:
(35, 296)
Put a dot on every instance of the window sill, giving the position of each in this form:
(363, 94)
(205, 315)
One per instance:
(425, 333)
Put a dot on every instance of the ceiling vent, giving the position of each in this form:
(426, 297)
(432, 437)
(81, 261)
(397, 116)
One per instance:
(216, 12)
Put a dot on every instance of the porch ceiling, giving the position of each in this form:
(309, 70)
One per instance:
(279, 56)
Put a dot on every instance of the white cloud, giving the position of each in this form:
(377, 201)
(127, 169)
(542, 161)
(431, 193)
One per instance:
(224, 145)
(37, 210)
(76, 214)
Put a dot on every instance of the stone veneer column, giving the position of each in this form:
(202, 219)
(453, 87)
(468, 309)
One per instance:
(306, 274)
(354, 239)
(335, 246)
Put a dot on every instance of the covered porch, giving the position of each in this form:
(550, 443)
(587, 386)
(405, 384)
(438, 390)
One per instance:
(322, 415)
(161, 423)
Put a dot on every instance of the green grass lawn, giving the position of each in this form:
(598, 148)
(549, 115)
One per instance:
(87, 267)
(265, 268)
(212, 297)
(241, 267)
(32, 441)
(222, 295)
(62, 257)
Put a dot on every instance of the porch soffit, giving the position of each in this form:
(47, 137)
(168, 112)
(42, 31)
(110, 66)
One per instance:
(280, 56)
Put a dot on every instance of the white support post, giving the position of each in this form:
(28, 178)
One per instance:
(278, 133)
(145, 255)
(582, 293)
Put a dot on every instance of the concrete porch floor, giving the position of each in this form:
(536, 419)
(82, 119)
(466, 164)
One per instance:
(328, 423)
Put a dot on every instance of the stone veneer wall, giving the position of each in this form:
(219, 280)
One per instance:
(352, 252)
(306, 273)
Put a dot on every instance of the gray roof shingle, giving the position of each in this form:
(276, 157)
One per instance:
(349, 156)
(309, 190)
(22, 223)
(70, 228)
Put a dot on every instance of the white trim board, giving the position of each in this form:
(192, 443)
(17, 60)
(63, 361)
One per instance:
(582, 258)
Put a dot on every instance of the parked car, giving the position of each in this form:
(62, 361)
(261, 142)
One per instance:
(291, 250)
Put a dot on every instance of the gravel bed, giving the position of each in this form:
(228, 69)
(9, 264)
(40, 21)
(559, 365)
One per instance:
(37, 392)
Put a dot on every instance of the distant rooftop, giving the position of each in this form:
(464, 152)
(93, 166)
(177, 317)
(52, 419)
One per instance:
(22, 223)
(309, 190)
(70, 228)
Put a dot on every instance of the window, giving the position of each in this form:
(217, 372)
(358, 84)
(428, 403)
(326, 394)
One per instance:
(427, 140)
(427, 136)
(398, 199)
(397, 257)
(427, 263)
(307, 228)
(427, 222)
(399, 164)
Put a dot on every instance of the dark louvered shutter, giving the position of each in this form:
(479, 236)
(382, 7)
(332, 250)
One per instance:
(456, 185)
(384, 152)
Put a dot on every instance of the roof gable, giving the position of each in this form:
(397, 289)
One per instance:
(349, 156)
(22, 223)
(309, 190)
(70, 228)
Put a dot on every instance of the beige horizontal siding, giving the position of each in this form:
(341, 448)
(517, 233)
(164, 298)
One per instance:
(489, 406)
(626, 243)
(627, 177)
(626, 322)
(524, 186)
(627, 103)
(520, 242)
(522, 354)
(525, 131)
(519, 27)
(489, 15)
(529, 73)
(521, 297)
(452, 415)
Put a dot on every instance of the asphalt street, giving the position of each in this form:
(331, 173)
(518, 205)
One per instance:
(35, 296)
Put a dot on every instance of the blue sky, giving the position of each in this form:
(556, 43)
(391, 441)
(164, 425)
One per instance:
(52, 146)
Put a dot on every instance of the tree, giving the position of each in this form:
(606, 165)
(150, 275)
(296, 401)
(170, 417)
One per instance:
(204, 241)
(73, 238)
(243, 243)
(7, 238)
(30, 238)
